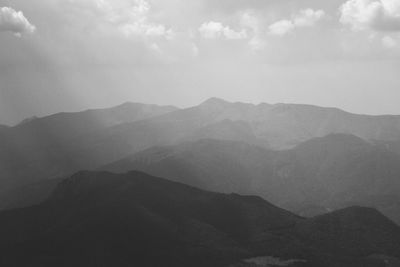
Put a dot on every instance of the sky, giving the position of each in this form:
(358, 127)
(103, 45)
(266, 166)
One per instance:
(70, 55)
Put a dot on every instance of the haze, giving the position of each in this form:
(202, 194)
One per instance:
(68, 55)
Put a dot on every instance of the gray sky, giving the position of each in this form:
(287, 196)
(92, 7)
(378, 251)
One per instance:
(67, 55)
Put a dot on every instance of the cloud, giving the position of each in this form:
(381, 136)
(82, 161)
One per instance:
(281, 27)
(14, 21)
(378, 15)
(308, 17)
(304, 18)
(214, 30)
(252, 23)
(130, 17)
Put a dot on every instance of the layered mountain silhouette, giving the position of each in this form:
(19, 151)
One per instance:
(61, 144)
(277, 126)
(319, 175)
(305, 159)
(42, 148)
(133, 219)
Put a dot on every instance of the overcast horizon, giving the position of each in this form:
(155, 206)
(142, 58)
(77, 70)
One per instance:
(73, 55)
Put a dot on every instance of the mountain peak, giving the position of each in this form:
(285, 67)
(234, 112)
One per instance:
(215, 101)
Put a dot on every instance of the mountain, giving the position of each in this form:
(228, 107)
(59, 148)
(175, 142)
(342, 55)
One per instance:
(272, 126)
(27, 195)
(27, 120)
(47, 147)
(3, 127)
(318, 175)
(133, 219)
(63, 143)
(389, 145)
(58, 145)
(285, 125)
(215, 165)
(354, 230)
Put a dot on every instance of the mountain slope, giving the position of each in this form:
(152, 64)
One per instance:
(61, 144)
(66, 142)
(136, 219)
(46, 147)
(99, 218)
(217, 165)
(330, 172)
(272, 126)
(353, 230)
(284, 125)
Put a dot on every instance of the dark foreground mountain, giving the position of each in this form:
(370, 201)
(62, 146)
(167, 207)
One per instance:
(133, 219)
(319, 175)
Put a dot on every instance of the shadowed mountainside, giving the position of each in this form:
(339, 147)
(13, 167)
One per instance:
(100, 218)
(323, 173)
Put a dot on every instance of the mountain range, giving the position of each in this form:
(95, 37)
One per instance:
(311, 173)
(316, 176)
(134, 219)
(49, 147)
(318, 166)
(63, 143)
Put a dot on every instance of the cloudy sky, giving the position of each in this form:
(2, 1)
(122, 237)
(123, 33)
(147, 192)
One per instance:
(67, 55)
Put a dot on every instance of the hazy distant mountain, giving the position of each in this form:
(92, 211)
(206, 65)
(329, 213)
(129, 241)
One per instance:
(324, 173)
(66, 142)
(272, 126)
(285, 125)
(61, 144)
(216, 165)
(49, 147)
(104, 219)
(27, 120)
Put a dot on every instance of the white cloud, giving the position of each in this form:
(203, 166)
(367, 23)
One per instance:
(14, 21)
(379, 15)
(231, 34)
(251, 22)
(304, 18)
(389, 42)
(130, 17)
(281, 27)
(211, 30)
(214, 30)
(308, 17)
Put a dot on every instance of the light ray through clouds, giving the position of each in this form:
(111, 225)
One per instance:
(179, 52)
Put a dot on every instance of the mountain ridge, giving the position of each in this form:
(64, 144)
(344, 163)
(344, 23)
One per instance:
(143, 220)
(45, 147)
(332, 171)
